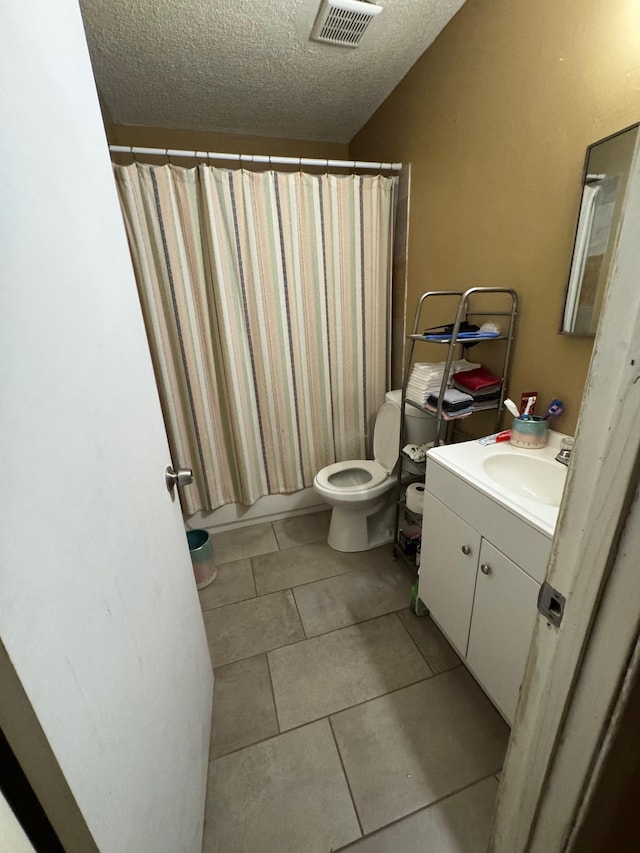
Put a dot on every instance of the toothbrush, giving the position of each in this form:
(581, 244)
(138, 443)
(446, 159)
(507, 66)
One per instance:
(530, 403)
(554, 411)
(511, 407)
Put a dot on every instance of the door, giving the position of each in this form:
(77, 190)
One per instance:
(449, 558)
(99, 615)
(504, 613)
(581, 675)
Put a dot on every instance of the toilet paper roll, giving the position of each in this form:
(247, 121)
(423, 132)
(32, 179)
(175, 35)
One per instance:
(415, 498)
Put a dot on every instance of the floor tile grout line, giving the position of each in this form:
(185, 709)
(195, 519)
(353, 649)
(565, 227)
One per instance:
(363, 702)
(227, 604)
(308, 583)
(253, 578)
(323, 634)
(257, 594)
(282, 589)
(260, 651)
(351, 624)
(273, 694)
(351, 571)
(326, 716)
(382, 695)
(305, 638)
(275, 536)
(414, 641)
(437, 802)
(242, 660)
(370, 619)
(424, 654)
(220, 563)
(304, 630)
(346, 778)
(316, 580)
(278, 548)
(302, 544)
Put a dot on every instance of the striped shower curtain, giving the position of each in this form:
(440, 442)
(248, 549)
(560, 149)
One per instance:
(265, 298)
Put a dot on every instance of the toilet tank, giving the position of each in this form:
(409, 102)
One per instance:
(419, 426)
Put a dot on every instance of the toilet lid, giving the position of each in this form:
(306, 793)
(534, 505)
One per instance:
(386, 436)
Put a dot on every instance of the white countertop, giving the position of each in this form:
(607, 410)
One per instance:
(466, 460)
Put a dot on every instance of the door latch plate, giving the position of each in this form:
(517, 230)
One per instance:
(551, 604)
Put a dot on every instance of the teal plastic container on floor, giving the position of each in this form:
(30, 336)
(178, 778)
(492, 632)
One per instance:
(202, 557)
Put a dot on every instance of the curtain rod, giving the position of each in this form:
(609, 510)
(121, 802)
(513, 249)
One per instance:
(255, 158)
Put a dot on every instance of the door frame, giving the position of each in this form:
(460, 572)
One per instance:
(579, 675)
(29, 743)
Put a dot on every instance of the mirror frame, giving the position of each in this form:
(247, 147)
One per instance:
(585, 172)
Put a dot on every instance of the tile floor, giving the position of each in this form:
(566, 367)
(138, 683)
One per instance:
(341, 721)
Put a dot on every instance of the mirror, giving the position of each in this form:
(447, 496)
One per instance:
(603, 187)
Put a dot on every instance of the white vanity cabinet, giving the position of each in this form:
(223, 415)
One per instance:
(449, 562)
(504, 613)
(473, 582)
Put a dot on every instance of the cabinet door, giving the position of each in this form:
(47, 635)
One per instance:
(504, 613)
(449, 558)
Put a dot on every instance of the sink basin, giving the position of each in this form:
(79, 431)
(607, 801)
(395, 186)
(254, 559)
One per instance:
(528, 476)
(528, 483)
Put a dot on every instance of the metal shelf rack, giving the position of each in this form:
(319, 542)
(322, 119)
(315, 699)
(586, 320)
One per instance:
(472, 303)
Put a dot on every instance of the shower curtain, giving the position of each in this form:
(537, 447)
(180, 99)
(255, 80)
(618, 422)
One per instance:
(265, 298)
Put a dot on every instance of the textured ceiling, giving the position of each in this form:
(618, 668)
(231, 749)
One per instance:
(248, 67)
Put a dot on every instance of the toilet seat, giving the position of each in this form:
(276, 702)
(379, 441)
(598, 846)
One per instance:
(353, 478)
(362, 480)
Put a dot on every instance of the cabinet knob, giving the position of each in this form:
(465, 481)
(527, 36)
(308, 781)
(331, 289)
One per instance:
(466, 549)
(485, 569)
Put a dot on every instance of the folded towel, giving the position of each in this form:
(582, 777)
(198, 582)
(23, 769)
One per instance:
(452, 400)
(477, 380)
(450, 416)
(426, 378)
(491, 393)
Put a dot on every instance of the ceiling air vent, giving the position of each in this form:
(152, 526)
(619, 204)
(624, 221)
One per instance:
(343, 22)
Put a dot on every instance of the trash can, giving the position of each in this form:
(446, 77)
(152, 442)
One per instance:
(202, 557)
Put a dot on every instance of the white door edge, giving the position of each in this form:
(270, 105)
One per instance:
(566, 704)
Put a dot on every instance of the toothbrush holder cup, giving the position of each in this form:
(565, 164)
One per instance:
(530, 434)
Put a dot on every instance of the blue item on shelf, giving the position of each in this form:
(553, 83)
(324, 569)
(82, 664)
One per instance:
(463, 336)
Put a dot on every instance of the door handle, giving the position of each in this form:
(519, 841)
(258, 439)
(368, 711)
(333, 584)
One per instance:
(181, 477)
(485, 569)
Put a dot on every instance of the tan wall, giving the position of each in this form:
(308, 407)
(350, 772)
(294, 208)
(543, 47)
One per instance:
(194, 140)
(495, 119)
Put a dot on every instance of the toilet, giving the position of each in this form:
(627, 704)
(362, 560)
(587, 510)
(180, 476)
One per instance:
(362, 492)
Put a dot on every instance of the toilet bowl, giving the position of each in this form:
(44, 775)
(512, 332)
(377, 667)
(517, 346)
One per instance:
(361, 491)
